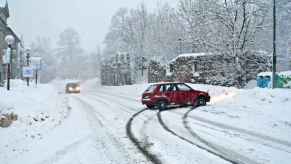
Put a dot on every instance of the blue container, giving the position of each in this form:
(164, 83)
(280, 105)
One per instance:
(283, 79)
(263, 81)
(260, 81)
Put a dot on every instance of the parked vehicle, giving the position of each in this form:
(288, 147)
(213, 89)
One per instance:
(162, 95)
(73, 88)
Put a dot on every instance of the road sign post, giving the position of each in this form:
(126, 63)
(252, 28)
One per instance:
(36, 65)
(7, 61)
(27, 72)
(10, 41)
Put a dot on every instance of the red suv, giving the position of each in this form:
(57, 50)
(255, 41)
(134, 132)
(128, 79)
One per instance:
(162, 95)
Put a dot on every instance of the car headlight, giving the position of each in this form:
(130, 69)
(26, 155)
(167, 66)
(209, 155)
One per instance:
(146, 97)
(77, 88)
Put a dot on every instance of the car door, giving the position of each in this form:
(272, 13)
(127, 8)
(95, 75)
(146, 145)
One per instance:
(184, 94)
(170, 93)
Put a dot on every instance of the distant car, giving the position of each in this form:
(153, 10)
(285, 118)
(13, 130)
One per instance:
(73, 88)
(162, 95)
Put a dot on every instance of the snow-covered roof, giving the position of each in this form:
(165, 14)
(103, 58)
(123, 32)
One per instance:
(265, 74)
(186, 55)
(285, 73)
(262, 52)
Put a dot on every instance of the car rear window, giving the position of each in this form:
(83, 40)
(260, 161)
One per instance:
(183, 87)
(151, 88)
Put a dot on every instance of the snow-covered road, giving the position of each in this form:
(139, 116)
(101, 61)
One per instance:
(179, 136)
(108, 125)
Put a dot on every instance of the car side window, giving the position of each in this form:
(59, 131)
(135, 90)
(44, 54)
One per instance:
(167, 87)
(175, 87)
(183, 87)
(172, 87)
(162, 88)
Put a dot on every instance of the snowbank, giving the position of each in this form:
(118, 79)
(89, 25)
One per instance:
(40, 110)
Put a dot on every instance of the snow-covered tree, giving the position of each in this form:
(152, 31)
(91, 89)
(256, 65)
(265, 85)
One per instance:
(236, 28)
(227, 27)
(69, 54)
(42, 47)
(144, 35)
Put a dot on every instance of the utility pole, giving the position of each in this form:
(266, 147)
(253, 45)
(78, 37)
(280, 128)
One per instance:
(36, 63)
(274, 79)
(36, 77)
(143, 65)
(9, 68)
(27, 64)
(180, 45)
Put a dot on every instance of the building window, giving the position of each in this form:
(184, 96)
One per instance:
(171, 67)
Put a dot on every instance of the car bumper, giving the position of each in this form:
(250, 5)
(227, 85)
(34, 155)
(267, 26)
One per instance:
(147, 102)
(77, 91)
(208, 99)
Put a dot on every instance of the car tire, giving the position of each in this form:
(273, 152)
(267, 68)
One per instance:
(201, 101)
(150, 106)
(162, 105)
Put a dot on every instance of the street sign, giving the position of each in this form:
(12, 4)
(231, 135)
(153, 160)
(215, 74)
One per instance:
(36, 63)
(6, 56)
(27, 72)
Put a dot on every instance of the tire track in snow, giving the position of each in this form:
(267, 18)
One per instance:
(116, 147)
(235, 157)
(119, 96)
(261, 137)
(142, 147)
(151, 157)
(239, 130)
(248, 137)
(221, 156)
(222, 150)
(60, 154)
(103, 100)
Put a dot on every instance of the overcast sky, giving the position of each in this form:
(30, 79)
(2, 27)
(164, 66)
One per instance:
(91, 18)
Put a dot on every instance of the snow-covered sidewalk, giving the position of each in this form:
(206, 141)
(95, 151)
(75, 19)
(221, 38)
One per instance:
(41, 126)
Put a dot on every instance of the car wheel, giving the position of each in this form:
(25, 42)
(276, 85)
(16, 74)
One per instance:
(162, 105)
(201, 101)
(150, 106)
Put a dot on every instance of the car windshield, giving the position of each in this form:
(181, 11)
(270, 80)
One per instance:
(73, 85)
(151, 88)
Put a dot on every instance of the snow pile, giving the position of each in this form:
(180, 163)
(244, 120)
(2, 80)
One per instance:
(40, 111)
(260, 110)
